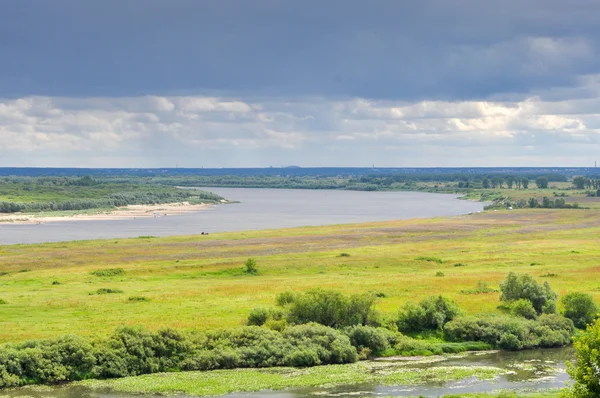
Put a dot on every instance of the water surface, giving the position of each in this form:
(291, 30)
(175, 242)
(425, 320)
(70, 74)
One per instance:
(258, 209)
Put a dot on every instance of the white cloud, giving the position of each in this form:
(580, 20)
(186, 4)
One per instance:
(225, 132)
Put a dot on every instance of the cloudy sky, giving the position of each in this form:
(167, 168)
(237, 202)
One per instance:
(239, 83)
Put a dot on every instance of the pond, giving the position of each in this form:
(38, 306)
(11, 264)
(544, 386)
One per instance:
(532, 370)
(258, 209)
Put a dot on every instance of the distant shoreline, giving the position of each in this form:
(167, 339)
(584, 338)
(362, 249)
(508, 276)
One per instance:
(119, 213)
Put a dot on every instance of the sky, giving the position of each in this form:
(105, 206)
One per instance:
(238, 83)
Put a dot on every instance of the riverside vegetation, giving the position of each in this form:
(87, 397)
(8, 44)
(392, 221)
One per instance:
(34, 191)
(49, 194)
(318, 327)
(363, 311)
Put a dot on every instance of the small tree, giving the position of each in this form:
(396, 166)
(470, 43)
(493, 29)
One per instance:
(509, 181)
(525, 182)
(330, 308)
(579, 182)
(430, 314)
(251, 266)
(523, 286)
(580, 308)
(546, 202)
(486, 183)
(541, 182)
(523, 308)
(586, 369)
(533, 203)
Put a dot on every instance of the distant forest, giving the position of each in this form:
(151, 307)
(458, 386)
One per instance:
(433, 172)
(59, 189)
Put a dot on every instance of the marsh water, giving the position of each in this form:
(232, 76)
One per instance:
(257, 209)
(533, 370)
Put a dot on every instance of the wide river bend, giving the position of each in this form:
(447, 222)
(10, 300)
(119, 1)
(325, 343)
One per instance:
(258, 209)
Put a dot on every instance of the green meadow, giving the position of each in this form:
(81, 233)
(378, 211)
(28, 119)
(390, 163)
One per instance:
(89, 288)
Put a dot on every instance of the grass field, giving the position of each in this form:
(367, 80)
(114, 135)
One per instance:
(198, 282)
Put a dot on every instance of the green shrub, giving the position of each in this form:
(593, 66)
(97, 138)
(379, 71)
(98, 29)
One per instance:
(523, 286)
(481, 288)
(408, 346)
(54, 283)
(331, 346)
(303, 358)
(108, 291)
(511, 332)
(135, 351)
(460, 265)
(376, 340)
(261, 316)
(276, 324)
(522, 308)
(580, 308)
(250, 267)
(258, 317)
(439, 273)
(138, 299)
(585, 370)
(109, 272)
(344, 255)
(46, 361)
(329, 308)
(285, 298)
(430, 314)
(2, 273)
(549, 275)
(2, 301)
(430, 259)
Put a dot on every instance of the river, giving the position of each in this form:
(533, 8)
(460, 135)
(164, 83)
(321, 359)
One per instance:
(258, 209)
(531, 370)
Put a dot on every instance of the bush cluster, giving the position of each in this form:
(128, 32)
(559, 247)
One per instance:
(111, 200)
(580, 308)
(327, 307)
(585, 371)
(523, 286)
(108, 272)
(512, 333)
(408, 346)
(431, 313)
(136, 351)
(370, 341)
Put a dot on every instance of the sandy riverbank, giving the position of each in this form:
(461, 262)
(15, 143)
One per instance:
(119, 213)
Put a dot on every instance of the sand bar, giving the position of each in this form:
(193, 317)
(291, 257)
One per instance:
(119, 213)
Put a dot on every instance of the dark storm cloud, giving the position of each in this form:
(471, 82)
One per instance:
(407, 50)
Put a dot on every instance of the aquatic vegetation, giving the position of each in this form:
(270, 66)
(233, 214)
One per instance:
(245, 380)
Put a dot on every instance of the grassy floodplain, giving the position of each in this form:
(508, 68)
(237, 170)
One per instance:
(197, 282)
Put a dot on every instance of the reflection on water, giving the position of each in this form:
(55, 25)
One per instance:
(259, 209)
(531, 370)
